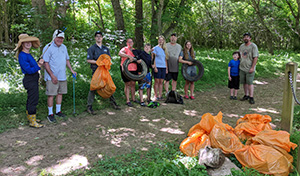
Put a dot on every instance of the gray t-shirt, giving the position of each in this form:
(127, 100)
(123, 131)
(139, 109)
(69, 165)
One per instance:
(57, 58)
(174, 51)
(248, 53)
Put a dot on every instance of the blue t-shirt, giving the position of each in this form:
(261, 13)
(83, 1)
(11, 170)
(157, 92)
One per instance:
(27, 63)
(234, 67)
(160, 57)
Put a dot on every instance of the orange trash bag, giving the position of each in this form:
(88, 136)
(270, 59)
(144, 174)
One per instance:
(208, 121)
(191, 145)
(101, 80)
(264, 159)
(222, 136)
(251, 124)
(273, 138)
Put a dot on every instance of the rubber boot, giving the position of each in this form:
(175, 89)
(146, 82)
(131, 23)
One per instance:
(37, 120)
(33, 122)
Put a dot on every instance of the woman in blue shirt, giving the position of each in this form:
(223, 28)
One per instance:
(30, 69)
(160, 66)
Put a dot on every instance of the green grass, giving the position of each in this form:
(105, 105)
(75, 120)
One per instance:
(157, 161)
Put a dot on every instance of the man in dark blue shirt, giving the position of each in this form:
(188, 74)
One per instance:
(93, 54)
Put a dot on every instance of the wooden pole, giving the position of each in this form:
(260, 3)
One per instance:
(298, 159)
(288, 100)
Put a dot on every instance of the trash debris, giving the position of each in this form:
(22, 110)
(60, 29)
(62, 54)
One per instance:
(211, 157)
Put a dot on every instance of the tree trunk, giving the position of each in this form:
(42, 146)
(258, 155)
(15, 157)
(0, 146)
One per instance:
(157, 7)
(139, 38)
(118, 15)
(1, 20)
(174, 23)
(100, 14)
(269, 37)
(5, 22)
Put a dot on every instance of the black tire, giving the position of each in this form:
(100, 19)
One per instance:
(186, 76)
(131, 76)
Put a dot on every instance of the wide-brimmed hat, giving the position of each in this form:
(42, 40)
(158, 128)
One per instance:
(26, 38)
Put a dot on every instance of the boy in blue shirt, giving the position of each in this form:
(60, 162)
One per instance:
(233, 75)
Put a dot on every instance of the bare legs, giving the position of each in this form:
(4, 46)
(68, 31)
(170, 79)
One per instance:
(186, 88)
(130, 87)
(50, 100)
(158, 87)
(249, 89)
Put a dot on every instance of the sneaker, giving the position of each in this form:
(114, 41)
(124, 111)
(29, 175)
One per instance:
(148, 101)
(142, 104)
(231, 98)
(251, 100)
(59, 114)
(245, 98)
(90, 110)
(186, 97)
(136, 101)
(234, 98)
(129, 104)
(116, 106)
(51, 118)
(192, 97)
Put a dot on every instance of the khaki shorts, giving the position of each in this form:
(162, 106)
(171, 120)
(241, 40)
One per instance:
(246, 77)
(54, 89)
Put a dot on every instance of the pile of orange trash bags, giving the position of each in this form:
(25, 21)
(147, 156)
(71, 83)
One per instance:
(265, 150)
(101, 80)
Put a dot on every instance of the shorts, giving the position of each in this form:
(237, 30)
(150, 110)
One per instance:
(161, 74)
(171, 75)
(234, 83)
(54, 89)
(146, 82)
(124, 78)
(246, 77)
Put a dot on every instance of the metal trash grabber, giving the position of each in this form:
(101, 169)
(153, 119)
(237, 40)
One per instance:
(74, 79)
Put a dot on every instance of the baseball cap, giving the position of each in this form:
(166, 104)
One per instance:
(247, 33)
(58, 33)
(174, 34)
(98, 32)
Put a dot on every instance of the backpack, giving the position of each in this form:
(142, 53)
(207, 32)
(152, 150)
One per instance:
(174, 97)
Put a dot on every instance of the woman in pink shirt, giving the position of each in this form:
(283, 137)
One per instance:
(126, 53)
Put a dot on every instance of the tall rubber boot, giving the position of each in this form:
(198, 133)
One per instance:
(37, 120)
(33, 122)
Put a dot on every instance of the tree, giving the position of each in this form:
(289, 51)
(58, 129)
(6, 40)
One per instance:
(139, 37)
(118, 15)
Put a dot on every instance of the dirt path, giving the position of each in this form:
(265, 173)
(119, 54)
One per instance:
(84, 139)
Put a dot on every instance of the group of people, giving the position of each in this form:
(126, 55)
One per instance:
(55, 59)
(163, 60)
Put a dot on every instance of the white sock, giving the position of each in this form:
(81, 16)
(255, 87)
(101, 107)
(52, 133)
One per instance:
(50, 110)
(58, 108)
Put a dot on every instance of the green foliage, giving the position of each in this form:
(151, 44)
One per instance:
(156, 161)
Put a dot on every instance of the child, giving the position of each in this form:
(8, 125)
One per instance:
(186, 57)
(146, 82)
(233, 74)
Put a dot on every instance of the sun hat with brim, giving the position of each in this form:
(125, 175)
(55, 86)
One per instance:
(26, 38)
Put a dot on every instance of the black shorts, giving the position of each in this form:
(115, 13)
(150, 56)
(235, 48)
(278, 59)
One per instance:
(234, 83)
(124, 78)
(171, 75)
